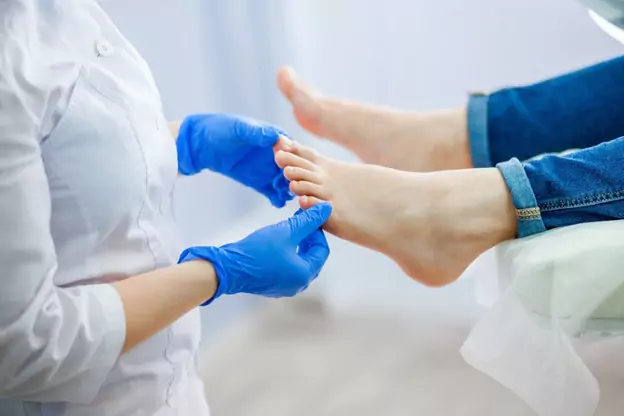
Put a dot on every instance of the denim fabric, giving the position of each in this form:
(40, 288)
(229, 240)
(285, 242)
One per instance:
(573, 111)
(558, 190)
(478, 130)
(577, 110)
(529, 214)
(584, 186)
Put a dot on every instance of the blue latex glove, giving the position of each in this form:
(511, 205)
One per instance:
(276, 261)
(239, 148)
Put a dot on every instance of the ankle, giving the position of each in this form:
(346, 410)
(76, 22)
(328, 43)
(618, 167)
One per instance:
(447, 133)
(476, 206)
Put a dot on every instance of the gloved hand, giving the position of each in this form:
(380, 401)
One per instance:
(276, 261)
(239, 148)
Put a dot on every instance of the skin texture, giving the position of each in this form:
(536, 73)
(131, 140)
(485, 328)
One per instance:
(174, 127)
(154, 300)
(433, 225)
(409, 141)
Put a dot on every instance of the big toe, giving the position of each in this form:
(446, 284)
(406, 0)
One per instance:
(285, 81)
(304, 100)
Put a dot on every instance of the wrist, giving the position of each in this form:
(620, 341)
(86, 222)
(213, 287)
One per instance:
(204, 273)
(174, 128)
(210, 259)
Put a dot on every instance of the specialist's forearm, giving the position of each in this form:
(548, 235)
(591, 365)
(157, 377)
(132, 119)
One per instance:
(154, 300)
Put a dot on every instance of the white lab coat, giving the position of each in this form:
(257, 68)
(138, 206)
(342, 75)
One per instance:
(87, 170)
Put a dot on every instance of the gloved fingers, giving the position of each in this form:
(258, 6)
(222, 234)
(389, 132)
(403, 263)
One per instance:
(215, 256)
(257, 134)
(186, 155)
(303, 289)
(304, 223)
(282, 133)
(284, 294)
(314, 240)
(276, 199)
(315, 251)
(279, 192)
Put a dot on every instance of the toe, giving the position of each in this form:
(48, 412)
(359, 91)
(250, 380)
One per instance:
(306, 202)
(293, 173)
(305, 152)
(283, 143)
(306, 102)
(303, 188)
(284, 159)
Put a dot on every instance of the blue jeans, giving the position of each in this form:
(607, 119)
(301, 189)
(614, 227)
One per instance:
(580, 110)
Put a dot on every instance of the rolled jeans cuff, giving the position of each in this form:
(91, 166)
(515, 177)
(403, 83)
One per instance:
(478, 130)
(529, 215)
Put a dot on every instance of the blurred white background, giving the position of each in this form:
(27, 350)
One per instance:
(221, 56)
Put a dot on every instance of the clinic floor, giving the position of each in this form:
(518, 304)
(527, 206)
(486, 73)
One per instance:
(292, 358)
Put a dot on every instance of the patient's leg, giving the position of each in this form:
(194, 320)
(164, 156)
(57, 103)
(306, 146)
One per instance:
(433, 225)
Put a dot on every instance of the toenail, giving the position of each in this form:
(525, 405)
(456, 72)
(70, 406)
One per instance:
(290, 72)
(288, 142)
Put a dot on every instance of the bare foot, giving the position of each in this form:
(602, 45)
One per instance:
(417, 142)
(433, 225)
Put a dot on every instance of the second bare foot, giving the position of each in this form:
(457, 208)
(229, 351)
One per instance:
(410, 141)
